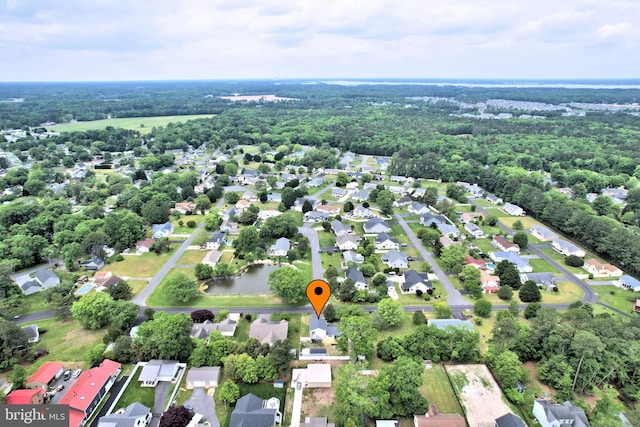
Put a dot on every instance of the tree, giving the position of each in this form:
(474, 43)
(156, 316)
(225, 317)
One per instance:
(608, 407)
(514, 309)
(521, 239)
(442, 310)
(492, 220)
(120, 291)
(212, 222)
(453, 255)
(279, 226)
(181, 288)
(390, 311)
(307, 206)
(329, 313)
(482, 308)
(153, 213)
(288, 284)
(96, 354)
(202, 203)
(391, 348)
(95, 310)
(228, 392)
(530, 292)
(201, 316)
(508, 368)
(385, 201)
(357, 336)
(203, 271)
(508, 274)
(532, 310)
(18, 377)
(419, 318)
(601, 204)
(352, 400)
(517, 225)
(395, 389)
(574, 261)
(348, 206)
(281, 356)
(60, 299)
(166, 337)
(231, 197)
(13, 337)
(505, 293)
(247, 241)
(175, 416)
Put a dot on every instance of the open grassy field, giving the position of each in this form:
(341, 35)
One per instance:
(326, 239)
(135, 393)
(437, 389)
(141, 124)
(66, 342)
(145, 265)
(137, 285)
(192, 257)
(398, 233)
(526, 221)
(539, 266)
(32, 303)
(183, 229)
(331, 259)
(559, 258)
(613, 296)
(568, 292)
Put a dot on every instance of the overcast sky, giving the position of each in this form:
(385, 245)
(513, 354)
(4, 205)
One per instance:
(70, 40)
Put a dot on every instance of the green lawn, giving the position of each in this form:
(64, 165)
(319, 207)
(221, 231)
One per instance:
(183, 393)
(32, 303)
(135, 393)
(613, 296)
(437, 389)
(484, 245)
(295, 331)
(559, 258)
(183, 229)
(568, 292)
(398, 233)
(192, 257)
(331, 259)
(137, 285)
(242, 329)
(141, 124)
(66, 341)
(326, 239)
(145, 265)
(483, 203)
(305, 268)
(262, 390)
(526, 221)
(539, 266)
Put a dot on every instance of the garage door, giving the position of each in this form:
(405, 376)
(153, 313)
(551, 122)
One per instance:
(199, 383)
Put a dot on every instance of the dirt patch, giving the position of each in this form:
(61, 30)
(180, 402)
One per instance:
(317, 400)
(481, 397)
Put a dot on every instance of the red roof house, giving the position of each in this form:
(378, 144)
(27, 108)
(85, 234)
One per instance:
(45, 374)
(26, 397)
(477, 263)
(85, 394)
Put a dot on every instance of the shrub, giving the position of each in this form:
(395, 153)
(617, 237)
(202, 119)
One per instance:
(427, 297)
(191, 224)
(478, 321)
(573, 261)
(181, 223)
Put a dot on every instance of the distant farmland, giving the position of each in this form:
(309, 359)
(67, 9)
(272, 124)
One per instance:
(141, 124)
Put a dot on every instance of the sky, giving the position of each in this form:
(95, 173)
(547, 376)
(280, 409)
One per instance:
(98, 40)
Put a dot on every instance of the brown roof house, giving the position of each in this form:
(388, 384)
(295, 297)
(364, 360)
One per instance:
(434, 419)
(266, 331)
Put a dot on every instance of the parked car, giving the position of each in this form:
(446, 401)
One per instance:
(67, 375)
(76, 373)
(60, 387)
(39, 352)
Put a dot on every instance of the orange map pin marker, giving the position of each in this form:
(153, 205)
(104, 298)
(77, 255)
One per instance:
(318, 293)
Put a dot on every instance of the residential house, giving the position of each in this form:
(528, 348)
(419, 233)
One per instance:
(501, 243)
(274, 197)
(144, 246)
(249, 196)
(45, 375)
(567, 248)
(468, 217)
(347, 158)
(435, 419)
(266, 331)
(418, 208)
(489, 282)
(162, 230)
(215, 241)
(280, 248)
(356, 275)
(451, 323)
(477, 263)
(387, 423)
(329, 209)
(87, 391)
(205, 376)
(428, 219)
(620, 194)
(449, 230)
(315, 182)
(360, 196)
(317, 422)
(446, 241)
(543, 233)
(30, 287)
(475, 231)
(95, 263)
(32, 332)
(351, 256)
(318, 375)
(226, 327)
(546, 280)
(316, 216)
(551, 414)
(156, 370)
(340, 229)
(185, 207)
(46, 278)
(419, 193)
(398, 178)
(26, 397)
(521, 264)
(299, 203)
(320, 329)
(347, 242)
(134, 415)
(492, 198)
(376, 226)
(338, 192)
(402, 201)
(600, 269)
(268, 213)
(362, 212)
(384, 241)
(398, 190)
(512, 209)
(413, 282)
(636, 307)
(242, 205)
(395, 259)
(509, 420)
(248, 177)
(370, 186)
(251, 411)
(629, 282)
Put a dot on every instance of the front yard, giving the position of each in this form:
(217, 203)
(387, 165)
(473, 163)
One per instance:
(618, 298)
(145, 265)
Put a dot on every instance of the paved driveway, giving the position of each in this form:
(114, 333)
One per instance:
(203, 404)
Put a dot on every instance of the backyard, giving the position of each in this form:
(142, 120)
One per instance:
(436, 388)
(142, 266)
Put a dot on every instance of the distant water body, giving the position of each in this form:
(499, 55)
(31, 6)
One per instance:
(566, 84)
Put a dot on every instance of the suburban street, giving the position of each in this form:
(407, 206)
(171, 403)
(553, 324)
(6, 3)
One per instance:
(316, 263)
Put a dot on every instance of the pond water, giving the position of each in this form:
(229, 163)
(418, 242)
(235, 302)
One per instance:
(252, 281)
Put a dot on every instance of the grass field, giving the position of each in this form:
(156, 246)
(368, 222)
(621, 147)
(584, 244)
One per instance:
(539, 266)
(331, 259)
(192, 257)
(559, 258)
(526, 221)
(32, 303)
(145, 265)
(135, 393)
(326, 239)
(568, 292)
(66, 341)
(613, 296)
(186, 218)
(141, 124)
(137, 285)
(398, 233)
(437, 389)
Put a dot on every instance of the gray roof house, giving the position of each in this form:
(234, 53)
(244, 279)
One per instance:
(205, 376)
(95, 263)
(134, 415)
(338, 192)
(451, 323)
(474, 230)
(414, 281)
(280, 248)
(266, 331)
(521, 264)
(46, 278)
(351, 256)
(317, 422)
(395, 259)
(418, 208)
(251, 411)
(319, 329)
(347, 242)
(385, 241)
(162, 230)
(548, 280)
(509, 420)
(30, 287)
(448, 230)
(428, 219)
(375, 226)
(33, 334)
(216, 240)
(339, 228)
(356, 275)
(227, 328)
(630, 282)
(551, 414)
(360, 196)
(156, 370)
(542, 233)
(315, 216)
(567, 248)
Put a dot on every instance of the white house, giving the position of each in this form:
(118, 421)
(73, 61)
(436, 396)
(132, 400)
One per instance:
(413, 282)
(512, 209)
(385, 242)
(375, 226)
(542, 233)
(600, 269)
(206, 376)
(347, 242)
(358, 278)
(215, 241)
(551, 414)
(567, 248)
(162, 230)
(156, 370)
(134, 415)
(474, 230)
(629, 282)
(281, 247)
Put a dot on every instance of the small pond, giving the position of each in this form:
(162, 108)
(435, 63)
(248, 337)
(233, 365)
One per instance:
(252, 281)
